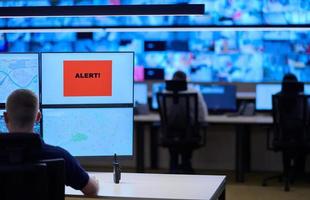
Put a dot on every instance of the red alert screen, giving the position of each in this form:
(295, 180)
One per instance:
(87, 78)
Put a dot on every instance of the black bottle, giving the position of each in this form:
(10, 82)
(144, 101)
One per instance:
(116, 170)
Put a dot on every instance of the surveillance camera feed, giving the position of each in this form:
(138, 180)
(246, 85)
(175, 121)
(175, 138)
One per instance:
(206, 56)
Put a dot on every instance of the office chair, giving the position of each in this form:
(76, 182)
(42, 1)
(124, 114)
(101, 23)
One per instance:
(23, 175)
(290, 134)
(180, 127)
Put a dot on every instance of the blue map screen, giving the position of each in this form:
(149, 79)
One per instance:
(90, 131)
(18, 71)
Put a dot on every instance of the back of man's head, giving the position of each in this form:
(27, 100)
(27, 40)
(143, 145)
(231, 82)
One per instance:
(289, 77)
(22, 107)
(290, 85)
(179, 76)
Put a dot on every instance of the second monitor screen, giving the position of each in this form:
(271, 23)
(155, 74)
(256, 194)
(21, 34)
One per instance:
(87, 78)
(90, 131)
(220, 97)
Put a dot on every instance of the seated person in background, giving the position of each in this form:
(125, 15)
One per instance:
(202, 106)
(289, 77)
(22, 111)
(186, 153)
(300, 159)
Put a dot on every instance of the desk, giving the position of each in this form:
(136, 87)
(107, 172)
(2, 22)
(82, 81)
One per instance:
(246, 95)
(242, 130)
(158, 186)
(214, 119)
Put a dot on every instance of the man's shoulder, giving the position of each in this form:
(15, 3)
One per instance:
(76, 176)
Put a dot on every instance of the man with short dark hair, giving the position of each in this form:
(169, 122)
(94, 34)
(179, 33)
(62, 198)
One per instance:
(22, 111)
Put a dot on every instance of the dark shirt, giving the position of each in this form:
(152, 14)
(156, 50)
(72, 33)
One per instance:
(76, 176)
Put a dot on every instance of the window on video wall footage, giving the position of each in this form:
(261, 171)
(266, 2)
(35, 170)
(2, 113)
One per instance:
(231, 56)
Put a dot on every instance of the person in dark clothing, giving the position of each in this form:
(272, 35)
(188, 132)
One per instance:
(300, 156)
(289, 77)
(22, 111)
(180, 159)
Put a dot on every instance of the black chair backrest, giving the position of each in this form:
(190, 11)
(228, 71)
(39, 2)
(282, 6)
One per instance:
(176, 86)
(23, 181)
(179, 119)
(19, 147)
(56, 178)
(23, 175)
(291, 118)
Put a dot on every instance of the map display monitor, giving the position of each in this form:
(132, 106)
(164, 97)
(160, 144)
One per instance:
(90, 131)
(87, 78)
(18, 70)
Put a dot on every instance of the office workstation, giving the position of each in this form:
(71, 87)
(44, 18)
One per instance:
(155, 100)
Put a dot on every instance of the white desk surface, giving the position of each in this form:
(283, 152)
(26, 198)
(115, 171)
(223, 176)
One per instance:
(217, 119)
(157, 186)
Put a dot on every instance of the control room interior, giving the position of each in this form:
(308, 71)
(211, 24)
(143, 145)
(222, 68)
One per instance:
(235, 55)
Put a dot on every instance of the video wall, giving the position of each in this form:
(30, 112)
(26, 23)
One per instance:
(217, 12)
(226, 56)
(206, 56)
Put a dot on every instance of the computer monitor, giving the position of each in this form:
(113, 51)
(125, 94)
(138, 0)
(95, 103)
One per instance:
(18, 70)
(90, 132)
(219, 98)
(140, 93)
(156, 87)
(154, 74)
(307, 89)
(87, 78)
(3, 128)
(264, 94)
